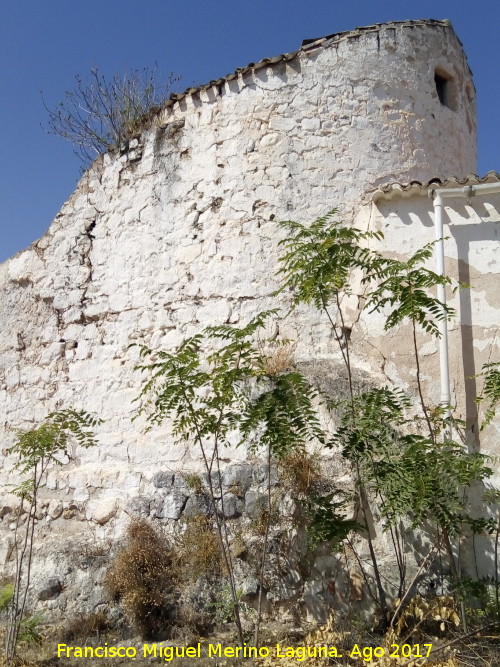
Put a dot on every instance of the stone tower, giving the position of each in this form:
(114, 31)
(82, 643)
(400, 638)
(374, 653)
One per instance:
(179, 230)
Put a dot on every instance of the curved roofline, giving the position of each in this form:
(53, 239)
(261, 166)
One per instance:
(308, 46)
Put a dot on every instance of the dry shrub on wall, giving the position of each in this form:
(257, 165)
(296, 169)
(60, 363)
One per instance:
(197, 551)
(277, 356)
(101, 112)
(299, 470)
(141, 579)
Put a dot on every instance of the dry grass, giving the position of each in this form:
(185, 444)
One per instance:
(84, 627)
(340, 636)
(148, 576)
(299, 470)
(197, 551)
(141, 579)
(277, 356)
(481, 651)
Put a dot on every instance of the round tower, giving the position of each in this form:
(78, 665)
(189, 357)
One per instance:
(178, 231)
(335, 119)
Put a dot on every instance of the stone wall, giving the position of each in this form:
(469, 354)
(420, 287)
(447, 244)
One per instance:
(179, 230)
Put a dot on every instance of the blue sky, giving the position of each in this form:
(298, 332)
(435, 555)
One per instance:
(44, 44)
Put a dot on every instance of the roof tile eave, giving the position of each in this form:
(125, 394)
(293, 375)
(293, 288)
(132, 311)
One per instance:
(389, 190)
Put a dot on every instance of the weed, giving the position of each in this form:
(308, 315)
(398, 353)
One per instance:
(37, 450)
(277, 356)
(430, 615)
(341, 635)
(299, 470)
(30, 631)
(100, 113)
(194, 482)
(223, 607)
(141, 578)
(82, 627)
(197, 552)
(6, 593)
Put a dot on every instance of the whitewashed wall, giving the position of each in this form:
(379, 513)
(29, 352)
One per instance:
(472, 231)
(181, 232)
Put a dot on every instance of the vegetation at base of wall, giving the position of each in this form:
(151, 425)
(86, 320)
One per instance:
(223, 606)
(37, 450)
(356, 643)
(140, 578)
(410, 477)
(216, 383)
(408, 471)
(197, 552)
(84, 627)
(30, 631)
(406, 465)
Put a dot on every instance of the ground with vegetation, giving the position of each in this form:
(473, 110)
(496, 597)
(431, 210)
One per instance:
(451, 648)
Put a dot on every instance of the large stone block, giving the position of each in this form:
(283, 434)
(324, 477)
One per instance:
(230, 506)
(237, 478)
(173, 505)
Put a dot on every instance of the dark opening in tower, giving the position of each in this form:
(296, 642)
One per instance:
(443, 83)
